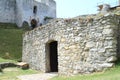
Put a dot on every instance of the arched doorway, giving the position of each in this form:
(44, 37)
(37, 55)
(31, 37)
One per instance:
(52, 56)
(33, 23)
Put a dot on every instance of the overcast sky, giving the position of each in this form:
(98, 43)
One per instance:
(72, 8)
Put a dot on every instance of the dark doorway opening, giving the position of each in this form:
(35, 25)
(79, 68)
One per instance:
(53, 56)
(33, 23)
(118, 42)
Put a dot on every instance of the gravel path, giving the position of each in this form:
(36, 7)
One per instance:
(44, 76)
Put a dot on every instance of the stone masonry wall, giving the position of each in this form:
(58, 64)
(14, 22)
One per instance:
(85, 44)
(20, 11)
(7, 11)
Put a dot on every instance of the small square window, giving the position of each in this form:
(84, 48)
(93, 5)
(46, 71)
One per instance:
(35, 9)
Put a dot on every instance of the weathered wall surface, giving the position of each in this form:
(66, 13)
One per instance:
(43, 10)
(18, 11)
(7, 11)
(84, 44)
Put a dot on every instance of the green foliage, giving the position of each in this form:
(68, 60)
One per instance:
(10, 42)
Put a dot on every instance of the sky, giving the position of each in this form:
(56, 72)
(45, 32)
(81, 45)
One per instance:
(73, 8)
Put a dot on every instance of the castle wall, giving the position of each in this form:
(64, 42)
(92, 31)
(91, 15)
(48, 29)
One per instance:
(85, 45)
(43, 10)
(7, 11)
(18, 11)
(52, 9)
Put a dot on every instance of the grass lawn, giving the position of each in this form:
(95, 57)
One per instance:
(11, 50)
(111, 74)
(10, 41)
(7, 60)
(12, 73)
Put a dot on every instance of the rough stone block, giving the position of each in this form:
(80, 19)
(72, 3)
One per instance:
(90, 44)
(107, 31)
(107, 65)
(23, 65)
(102, 50)
(118, 8)
(111, 59)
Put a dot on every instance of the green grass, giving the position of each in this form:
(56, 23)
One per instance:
(111, 74)
(10, 41)
(8, 26)
(12, 73)
(11, 50)
(7, 60)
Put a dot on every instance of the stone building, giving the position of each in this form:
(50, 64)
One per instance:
(20, 11)
(83, 44)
